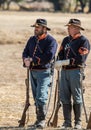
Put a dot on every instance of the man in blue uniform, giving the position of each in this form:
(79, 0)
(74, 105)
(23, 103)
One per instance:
(37, 55)
(75, 47)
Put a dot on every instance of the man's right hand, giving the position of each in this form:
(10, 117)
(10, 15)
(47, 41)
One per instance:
(27, 61)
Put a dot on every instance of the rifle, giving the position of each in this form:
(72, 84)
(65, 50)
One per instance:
(58, 105)
(88, 121)
(27, 104)
(51, 83)
(82, 91)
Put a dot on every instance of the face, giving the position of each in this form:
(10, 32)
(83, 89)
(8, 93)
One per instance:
(72, 30)
(39, 30)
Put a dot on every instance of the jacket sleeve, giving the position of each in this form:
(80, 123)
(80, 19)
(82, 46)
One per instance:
(82, 54)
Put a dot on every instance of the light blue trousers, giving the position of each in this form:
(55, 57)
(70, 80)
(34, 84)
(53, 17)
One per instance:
(40, 80)
(70, 86)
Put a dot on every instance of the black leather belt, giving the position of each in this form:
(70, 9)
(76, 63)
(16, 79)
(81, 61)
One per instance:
(67, 67)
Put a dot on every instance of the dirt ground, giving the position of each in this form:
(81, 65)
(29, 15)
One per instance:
(14, 32)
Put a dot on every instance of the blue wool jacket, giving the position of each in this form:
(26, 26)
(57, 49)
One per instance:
(41, 51)
(76, 49)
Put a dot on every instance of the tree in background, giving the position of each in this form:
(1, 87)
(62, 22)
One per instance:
(56, 4)
(59, 5)
(82, 4)
(2, 4)
(5, 4)
(65, 5)
(89, 11)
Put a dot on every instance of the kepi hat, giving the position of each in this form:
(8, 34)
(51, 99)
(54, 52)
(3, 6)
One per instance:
(75, 22)
(41, 22)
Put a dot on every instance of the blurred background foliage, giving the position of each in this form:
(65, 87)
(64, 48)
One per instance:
(76, 6)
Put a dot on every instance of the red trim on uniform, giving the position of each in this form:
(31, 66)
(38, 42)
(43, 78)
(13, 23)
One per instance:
(38, 60)
(42, 36)
(61, 48)
(76, 36)
(83, 51)
(73, 61)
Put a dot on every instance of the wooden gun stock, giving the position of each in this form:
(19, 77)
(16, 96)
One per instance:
(89, 122)
(23, 118)
(27, 104)
(55, 119)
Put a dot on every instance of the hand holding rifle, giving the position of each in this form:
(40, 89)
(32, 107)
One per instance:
(27, 62)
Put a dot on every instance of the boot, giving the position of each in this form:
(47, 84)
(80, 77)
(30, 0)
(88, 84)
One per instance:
(41, 111)
(77, 112)
(37, 117)
(67, 116)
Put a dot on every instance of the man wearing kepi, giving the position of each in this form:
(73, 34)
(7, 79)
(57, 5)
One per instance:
(75, 47)
(38, 55)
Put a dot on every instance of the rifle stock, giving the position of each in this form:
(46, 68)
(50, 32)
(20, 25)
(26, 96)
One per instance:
(55, 119)
(89, 122)
(27, 104)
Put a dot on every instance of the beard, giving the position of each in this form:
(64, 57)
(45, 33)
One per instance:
(38, 33)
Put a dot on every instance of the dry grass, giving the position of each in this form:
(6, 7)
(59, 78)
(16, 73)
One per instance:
(14, 33)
